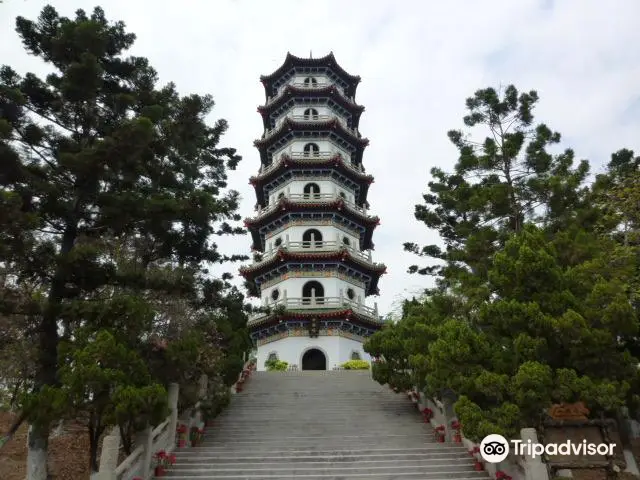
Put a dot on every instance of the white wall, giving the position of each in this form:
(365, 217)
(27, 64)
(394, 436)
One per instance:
(331, 285)
(348, 281)
(296, 186)
(295, 233)
(291, 349)
(300, 111)
(297, 146)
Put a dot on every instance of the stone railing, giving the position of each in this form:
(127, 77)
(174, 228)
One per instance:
(310, 119)
(517, 467)
(308, 86)
(310, 198)
(316, 247)
(317, 303)
(309, 156)
(140, 462)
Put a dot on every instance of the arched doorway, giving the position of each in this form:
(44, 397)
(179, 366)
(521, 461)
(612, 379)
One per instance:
(312, 238)
(312, 293)
(311, 190)
(314, 359)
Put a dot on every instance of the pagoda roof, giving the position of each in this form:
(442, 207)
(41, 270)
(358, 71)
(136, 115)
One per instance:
(285, 260)
(285, 207)
(292, 64)
(331, 128)
(283, 255)
(336, 162)
(291, 93)
(346, 313)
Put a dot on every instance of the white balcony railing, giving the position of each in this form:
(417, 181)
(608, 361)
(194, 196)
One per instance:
(319, 303)
(310, 119)
(316, 246)
(308, 86)
(310, 156)
(309, 198)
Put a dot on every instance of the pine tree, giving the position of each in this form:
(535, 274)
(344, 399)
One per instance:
(97, 150)
(498, 184)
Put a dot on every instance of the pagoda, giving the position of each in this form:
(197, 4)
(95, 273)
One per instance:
(312, 232)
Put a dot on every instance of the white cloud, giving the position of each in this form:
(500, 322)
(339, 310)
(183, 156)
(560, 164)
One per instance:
(418, 60)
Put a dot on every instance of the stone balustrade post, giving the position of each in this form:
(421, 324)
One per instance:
(173, 392)
(145, 439)
(109, 456)
(534, 469)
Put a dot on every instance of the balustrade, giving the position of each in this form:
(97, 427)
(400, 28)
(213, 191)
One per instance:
(308, 86)
(310, 156)
(309, 118)
(310, 198)
(312, 302)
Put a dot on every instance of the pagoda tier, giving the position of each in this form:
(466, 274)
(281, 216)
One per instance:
(311, 96)
(304, 257)
(325, 127)
(325, 65)
(345, 322)
(288, 210)
(292, 165)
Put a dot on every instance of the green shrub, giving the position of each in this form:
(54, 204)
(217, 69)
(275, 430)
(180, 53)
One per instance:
(355, 365)
(276, 365)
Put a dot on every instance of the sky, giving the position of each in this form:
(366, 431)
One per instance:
(419, 60)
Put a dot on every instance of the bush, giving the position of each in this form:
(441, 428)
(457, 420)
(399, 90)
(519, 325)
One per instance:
(276, 365)
(355, 365)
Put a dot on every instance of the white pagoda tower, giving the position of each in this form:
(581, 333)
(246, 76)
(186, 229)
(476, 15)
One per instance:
(312, 228)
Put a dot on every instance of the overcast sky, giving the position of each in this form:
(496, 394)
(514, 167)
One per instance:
(419, 61)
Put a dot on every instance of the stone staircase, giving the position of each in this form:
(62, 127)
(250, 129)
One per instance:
(314, 425)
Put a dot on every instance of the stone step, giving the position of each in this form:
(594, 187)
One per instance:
(323, 438)
(398, 474)
(282, 445)
(316, 432)
(313, 450)
(310, 420)
(321, 426)
(200, 458)
(323, 469)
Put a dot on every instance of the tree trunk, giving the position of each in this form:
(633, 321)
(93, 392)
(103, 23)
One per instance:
(47, 364)
(94, 438)
(126, 437)
(38, 443)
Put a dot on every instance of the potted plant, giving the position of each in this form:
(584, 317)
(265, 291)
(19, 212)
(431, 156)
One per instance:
(439, 433)
(478, 466)
(427, 414)
(161, 458)
(456, 426)
(182, 435)
(500, 475)
(194, 436)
